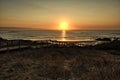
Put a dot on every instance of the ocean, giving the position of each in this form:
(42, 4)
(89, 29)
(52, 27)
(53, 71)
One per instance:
(71, 35)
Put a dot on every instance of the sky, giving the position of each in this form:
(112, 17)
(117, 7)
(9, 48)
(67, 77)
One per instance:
(48, 14)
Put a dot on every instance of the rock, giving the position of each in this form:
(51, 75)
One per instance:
(103, 39)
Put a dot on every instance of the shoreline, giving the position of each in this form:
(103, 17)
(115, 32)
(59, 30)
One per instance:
(100, 43)
(22, 41)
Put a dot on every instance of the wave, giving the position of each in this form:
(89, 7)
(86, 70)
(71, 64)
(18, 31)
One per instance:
(57, 35)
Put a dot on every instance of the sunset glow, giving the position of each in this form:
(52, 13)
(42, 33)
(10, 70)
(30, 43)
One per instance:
(71, 14)
(64, 25)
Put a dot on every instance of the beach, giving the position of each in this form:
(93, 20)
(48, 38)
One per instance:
(60, 62)
(59, 39)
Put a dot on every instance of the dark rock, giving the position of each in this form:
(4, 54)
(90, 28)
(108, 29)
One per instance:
(103, 39)
(1, 39)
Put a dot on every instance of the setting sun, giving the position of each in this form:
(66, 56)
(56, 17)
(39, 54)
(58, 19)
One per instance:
(63, 26)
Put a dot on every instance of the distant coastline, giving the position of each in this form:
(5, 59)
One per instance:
(14, 28)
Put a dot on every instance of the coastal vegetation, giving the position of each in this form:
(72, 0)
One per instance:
(55, 62)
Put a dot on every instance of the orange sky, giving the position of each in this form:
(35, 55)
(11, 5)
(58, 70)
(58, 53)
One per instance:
(48, 14)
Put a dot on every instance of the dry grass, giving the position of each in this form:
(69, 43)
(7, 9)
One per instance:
(60, 64)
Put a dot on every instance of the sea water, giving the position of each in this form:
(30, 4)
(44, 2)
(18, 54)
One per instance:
(69, 35)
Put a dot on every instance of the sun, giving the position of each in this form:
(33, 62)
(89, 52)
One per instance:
(64, 25)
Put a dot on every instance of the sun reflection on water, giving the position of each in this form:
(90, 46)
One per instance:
(63, 35)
